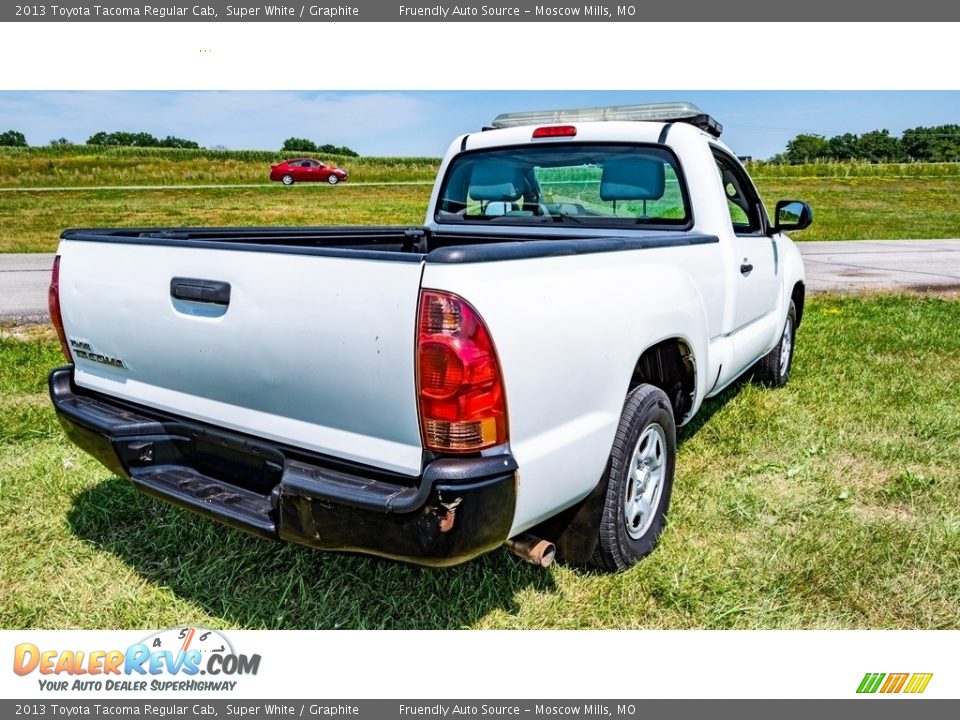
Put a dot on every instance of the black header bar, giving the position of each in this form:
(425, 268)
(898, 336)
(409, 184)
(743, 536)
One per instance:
(740, 11)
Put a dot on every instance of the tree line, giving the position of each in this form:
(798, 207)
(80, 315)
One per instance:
(305, 145)
(14, 138)
(920, 144)
(139, 139)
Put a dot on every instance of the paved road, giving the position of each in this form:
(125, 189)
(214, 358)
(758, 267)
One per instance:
(881, 264)
(23, 287)
(831, 266)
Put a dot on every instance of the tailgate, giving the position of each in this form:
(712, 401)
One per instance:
(312, 351)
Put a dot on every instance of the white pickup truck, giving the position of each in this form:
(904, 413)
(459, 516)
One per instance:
(512, 372)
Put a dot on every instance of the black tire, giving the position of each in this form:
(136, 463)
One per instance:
(770, 370)
(617, 546)
(287, 179)
(333, 179)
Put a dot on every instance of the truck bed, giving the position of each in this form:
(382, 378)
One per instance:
(393, 243)
(327, 241)
(300, 335)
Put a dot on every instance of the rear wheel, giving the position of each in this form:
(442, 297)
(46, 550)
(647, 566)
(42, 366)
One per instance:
(287, 179)
(639, 480)
(333, 179)
(773, 369)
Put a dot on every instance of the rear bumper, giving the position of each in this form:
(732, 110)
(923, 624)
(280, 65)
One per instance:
(457, 509)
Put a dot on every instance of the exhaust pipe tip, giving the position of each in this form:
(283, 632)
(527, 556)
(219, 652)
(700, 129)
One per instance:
(532, 549)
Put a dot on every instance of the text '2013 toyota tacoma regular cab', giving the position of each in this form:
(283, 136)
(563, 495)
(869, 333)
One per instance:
(511, 373)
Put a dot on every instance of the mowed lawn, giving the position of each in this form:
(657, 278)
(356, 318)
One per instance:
(872, 208)
(32, 221)
(832, 503)
(845, 208)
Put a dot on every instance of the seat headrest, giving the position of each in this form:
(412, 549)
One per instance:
(496, 181)
(632, 178)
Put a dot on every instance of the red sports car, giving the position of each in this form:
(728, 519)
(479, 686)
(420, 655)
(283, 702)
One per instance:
(306, 170)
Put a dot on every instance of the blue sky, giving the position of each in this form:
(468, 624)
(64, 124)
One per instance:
(756, 123)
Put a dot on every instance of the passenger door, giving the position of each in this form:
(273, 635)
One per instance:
(756, 275)
(299, 170)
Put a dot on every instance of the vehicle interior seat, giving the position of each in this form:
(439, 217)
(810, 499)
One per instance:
(632, 178)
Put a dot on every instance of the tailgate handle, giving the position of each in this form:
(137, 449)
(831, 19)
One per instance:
(205, 291)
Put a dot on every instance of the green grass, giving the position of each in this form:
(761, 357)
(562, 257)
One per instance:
(834, 168)
(32, 222)
(872, 208)
(844, 208)
(81, 165)
(832, 503)
(851, 201)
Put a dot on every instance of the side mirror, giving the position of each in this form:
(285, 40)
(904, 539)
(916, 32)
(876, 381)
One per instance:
(792, 215)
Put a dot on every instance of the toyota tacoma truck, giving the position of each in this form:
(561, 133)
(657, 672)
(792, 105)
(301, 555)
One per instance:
(511, 373)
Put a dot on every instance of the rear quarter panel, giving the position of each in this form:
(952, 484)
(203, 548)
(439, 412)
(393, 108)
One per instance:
(569, 331)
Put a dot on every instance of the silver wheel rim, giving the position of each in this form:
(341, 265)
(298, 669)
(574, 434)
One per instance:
(648, 465)
(786, 347)
(333, 179)
(287, 180)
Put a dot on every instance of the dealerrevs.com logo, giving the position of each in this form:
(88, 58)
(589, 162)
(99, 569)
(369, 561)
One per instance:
(179, 659)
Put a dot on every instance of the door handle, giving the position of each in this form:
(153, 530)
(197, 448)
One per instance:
(205, 291)
(746, 268)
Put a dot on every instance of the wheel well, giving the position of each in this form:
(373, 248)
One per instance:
(797, 296)
(669, 365)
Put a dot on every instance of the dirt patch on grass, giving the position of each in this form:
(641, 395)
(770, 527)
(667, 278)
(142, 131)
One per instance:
(39, 332)
(949, 292)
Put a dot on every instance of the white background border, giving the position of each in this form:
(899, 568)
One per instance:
(461, 56)
(585, 664)
(479, 56)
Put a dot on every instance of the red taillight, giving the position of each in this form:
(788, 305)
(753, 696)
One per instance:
(53, 304)
(555, 131)
(462, 404)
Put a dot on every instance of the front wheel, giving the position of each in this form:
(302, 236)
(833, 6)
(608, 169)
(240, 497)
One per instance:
(287, 179)
(639, 480)
(333, 179)
(773, 369)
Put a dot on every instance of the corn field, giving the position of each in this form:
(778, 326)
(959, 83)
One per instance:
(85, 165)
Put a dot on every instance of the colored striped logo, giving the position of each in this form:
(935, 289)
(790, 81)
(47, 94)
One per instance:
(894, 682)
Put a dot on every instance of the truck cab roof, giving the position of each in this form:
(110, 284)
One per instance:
(586, 131)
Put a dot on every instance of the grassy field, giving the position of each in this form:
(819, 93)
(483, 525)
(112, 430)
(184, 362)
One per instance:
(847, 169)
(845, 208)
(850, 201)
(31, 222)
(833, 503)
(872, 208)
(79, 165)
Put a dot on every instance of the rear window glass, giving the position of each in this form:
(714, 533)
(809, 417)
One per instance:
(591, 185)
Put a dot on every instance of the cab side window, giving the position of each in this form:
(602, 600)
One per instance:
(742, 202)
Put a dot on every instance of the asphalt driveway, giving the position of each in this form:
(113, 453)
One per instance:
(854, 266)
